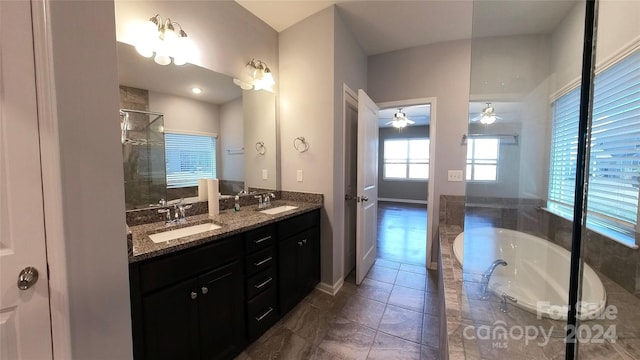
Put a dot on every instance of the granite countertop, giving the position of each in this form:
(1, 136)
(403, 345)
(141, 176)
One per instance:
(231, 223)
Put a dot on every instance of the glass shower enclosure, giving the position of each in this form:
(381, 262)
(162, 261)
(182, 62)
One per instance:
(550, 260)
(143, 153)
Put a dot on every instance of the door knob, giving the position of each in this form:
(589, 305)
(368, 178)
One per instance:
(364, 198)
(27, 278)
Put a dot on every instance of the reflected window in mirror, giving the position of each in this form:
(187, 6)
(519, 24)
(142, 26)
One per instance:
(482, 159)
(189, 158)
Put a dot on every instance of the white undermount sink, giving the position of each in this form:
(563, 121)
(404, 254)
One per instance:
(279, 209)
(182, 232)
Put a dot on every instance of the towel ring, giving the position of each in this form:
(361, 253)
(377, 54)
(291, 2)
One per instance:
(300, 144)
(260, 148)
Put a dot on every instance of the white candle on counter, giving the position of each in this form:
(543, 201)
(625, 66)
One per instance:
(214, 199)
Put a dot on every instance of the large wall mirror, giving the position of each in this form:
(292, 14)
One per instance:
(166, 114)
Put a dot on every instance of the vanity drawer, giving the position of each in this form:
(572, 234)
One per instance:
(259, 238)
(171, 268)
(298, 224)
(262, 313)
(260, 261)
(261, 282)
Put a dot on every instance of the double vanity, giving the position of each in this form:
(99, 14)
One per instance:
(208, 287)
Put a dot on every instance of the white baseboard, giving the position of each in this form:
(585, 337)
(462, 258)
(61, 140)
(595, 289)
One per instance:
(408, 201)
(330, 289)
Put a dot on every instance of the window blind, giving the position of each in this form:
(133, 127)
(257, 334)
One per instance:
(189, 158)
(614, 158)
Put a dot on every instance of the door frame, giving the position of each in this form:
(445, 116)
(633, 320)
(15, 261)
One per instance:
(51, 180)
(432, 165)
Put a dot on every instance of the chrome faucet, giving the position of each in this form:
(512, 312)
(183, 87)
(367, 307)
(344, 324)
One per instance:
(267, 199)
(181, 211)
(503, 303)
(487, 276)
(260, 203)
(168, 220)
(264, 200)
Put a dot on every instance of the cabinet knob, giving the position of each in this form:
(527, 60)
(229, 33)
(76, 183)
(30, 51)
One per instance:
(194, 295)
(205, 290)
(303, 242)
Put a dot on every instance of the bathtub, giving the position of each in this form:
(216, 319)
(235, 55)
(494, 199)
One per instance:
(537, 274)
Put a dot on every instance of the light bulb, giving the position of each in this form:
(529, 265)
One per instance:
(268, 78)
(487, 119)
(162, 58)
(144, 49)
(171, 42)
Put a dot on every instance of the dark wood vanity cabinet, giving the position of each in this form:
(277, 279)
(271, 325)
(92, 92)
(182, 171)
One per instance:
(298, 258)
(188, 305)
(210, 301)
(261, 280)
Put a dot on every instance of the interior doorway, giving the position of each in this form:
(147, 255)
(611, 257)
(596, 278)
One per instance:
(350, 179)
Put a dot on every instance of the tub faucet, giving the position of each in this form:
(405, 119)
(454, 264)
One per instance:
(505, 300)
(487, 276)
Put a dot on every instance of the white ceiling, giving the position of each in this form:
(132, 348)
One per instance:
(381, 26)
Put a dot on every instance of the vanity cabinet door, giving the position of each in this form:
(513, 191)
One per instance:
(221, 312)
(170, 320)
(299, 267)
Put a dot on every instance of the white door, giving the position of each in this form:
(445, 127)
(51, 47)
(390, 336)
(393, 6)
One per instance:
(367, 186)
(25, 330)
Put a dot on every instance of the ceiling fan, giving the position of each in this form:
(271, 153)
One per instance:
(400, 120)
(487, 116)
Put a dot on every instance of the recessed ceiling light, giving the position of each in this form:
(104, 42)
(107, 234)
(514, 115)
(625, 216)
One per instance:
(196, 90)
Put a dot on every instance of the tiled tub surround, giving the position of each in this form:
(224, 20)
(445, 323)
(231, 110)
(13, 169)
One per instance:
(466, 315)
(232, 222)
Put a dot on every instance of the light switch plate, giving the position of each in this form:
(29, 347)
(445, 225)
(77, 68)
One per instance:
(264, 174)
(454, 175)
(299, 175)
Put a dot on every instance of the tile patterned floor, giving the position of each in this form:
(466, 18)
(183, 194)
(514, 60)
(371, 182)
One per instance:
(393, 314)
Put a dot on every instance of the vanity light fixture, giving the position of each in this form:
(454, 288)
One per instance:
(162, 38)
(259, 77)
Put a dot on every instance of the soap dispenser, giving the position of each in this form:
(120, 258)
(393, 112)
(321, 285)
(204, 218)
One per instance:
(236, 207)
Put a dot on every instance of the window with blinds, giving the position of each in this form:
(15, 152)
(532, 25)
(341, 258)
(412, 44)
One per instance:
(614, 158)
(189, 158)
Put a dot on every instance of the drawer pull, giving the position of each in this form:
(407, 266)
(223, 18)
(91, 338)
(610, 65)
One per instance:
(194, 295)
(303, 242)
(262, 240)
(259, 318)
(205, 290)
(260, 263)
(262, 284)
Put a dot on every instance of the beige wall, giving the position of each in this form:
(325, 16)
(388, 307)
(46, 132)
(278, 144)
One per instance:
(83, 40)
(618, 27)
(441, 71)
(185, 114)
(231, 137)
(259, 117)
